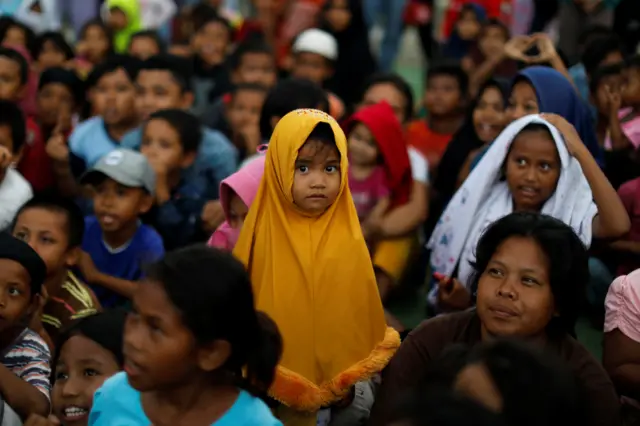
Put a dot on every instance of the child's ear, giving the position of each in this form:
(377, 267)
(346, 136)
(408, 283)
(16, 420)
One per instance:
(71, 257)
(213, 355)
(188, 159)
(187, 100)
(18, 155)
(145, 204)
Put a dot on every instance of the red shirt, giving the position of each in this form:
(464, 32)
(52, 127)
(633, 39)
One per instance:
(35, 165)
(430, 144)
(495, 9)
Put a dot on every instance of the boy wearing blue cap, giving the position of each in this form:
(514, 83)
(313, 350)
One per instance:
(24, 356)
(116, 244)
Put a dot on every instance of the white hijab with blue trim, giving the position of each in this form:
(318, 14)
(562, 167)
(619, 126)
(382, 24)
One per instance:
(483, 198)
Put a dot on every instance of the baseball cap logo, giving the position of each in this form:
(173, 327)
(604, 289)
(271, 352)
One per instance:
(114, 158)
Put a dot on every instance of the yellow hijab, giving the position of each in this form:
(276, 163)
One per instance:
(313, 275)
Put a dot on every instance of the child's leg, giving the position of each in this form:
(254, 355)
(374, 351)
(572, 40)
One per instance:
(390, 260)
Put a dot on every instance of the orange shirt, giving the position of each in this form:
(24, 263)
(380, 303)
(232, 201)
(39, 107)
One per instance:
(430, 144)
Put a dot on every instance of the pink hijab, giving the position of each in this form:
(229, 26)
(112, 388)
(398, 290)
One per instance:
(245, 183)
(28, 102)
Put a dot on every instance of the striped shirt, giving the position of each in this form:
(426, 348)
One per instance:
(29, 358)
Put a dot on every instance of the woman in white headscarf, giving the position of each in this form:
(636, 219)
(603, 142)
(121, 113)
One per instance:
(538, 163)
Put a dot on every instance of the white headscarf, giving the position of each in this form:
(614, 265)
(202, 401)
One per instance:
(484, 198)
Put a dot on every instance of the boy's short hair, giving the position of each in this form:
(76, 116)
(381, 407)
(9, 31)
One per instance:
(204, 14)
(396, 81)
(179, 68)
(601, 73)
(597, 50)
(152, 34)
(129, 64)
(249, 87)
(450, 69)
(57, 39)
(65, 77)
(127, 167)
(17, 250)
(11, 116)
(186, 124)
(17, 57)
(57, 204)
(288, 95)
(255, 46)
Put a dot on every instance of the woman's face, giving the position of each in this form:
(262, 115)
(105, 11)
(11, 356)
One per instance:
(514, 292)
(338, 15)
(488, 115)
(387, 92)
(523, 101)
(532, 169)
(468, 25)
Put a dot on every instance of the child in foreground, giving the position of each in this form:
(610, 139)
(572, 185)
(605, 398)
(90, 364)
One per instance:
(327, 306)
(186, 344)
(89, 352)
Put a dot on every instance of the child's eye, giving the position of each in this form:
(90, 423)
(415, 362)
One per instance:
(528, 281)
(61, 376)
(545, 167)
(331, 169)
(13, 291)
(47, 240)
(90, 372)
(521, 161)
(21, 235)
(303, 169)
(495, 272)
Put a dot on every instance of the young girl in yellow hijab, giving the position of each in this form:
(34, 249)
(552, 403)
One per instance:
(311, 270)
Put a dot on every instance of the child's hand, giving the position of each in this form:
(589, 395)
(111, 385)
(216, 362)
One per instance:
(36, 420)
(87, 267)
(546, 50)
(614, 100)
(212, 215)
(569, 133)
(159, 167)
(6, 158)
(371, 227)
(451, 294)
(517, 46)
(57, 148)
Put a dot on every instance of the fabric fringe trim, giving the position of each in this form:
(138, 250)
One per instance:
(301, 394)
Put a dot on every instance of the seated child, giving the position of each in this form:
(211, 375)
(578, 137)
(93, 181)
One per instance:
(629, 117)
(316, 279)
(124, 18)
(14, 189)
(170, 142)
(116, 244)
(145, 44)
(54, 228)
(89, 352)
(243, 117)
(24, 356)
(379, 168)
(236, 195)
(215, 332)
(314, 53)
(95, 44)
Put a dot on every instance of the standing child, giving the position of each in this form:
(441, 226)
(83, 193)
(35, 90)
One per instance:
(14, 189)
(236, 196)
(187, 345)
(125, 19)
(116, 245)
(24, 356)
(89, 352)
(170, 142)
(314, 55)
(54, 228)
(379, 169)
(316, 279)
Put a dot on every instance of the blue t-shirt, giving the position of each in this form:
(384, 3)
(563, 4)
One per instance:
(125, 262)
(90, 141)
(117, 403)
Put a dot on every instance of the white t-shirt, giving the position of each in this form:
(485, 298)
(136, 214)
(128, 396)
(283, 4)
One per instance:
(419, 166)
(14, 192)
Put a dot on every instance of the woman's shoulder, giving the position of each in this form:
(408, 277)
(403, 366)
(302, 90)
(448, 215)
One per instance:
(446, 329)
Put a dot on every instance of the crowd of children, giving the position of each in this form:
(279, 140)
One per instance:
(204, 216)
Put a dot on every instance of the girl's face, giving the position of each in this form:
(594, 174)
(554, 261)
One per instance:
(514, 292)
(338, 15)
(493, 40)
(363, 149)
(387, 92)
(96, 43)
(15, 36)
(51, 56)
(82, 367)
(532, 170)
(488, 115)
(468, 25)
(53, 98)
(523, 101)
(159, 350)
(631, 92)
(237, 211)
(316, 180)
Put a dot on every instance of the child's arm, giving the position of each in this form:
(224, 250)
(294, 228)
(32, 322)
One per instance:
(619, 140)
(612, 220)
(372, 224)
(478, 76)
(23, 396)
(406, 218)
(94, 276)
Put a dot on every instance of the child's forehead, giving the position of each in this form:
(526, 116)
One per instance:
(318, 150)
(12, 270)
